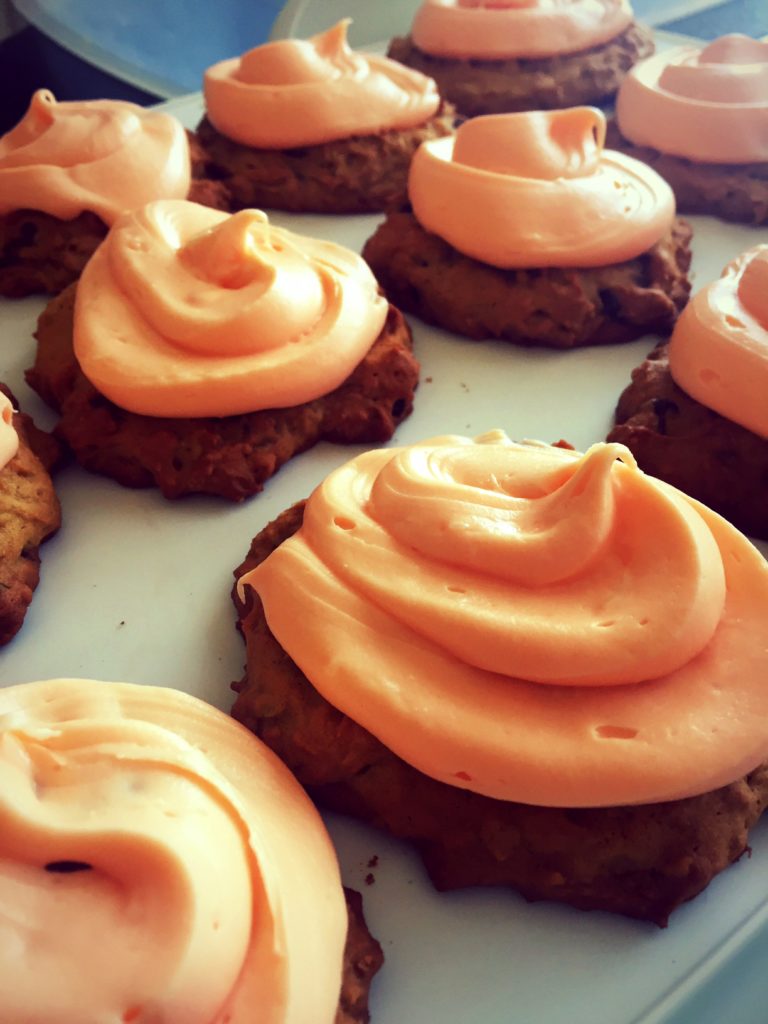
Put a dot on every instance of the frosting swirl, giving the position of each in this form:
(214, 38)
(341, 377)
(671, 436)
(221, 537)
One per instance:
(530, 623)
(147, 835)
(709, 105)
(718, 352)
(187, 311)
(102, 156)
(9, 439)
(300, 92)
(500, 29)
(538, 190)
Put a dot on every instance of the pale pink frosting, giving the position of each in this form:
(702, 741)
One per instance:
(187, 311)
(500, 29)
(102, 156)
(718, 353)
(296, 92)
(529, 623)
(709, 105)
(537, 189)
(213, 887)
(9, 439)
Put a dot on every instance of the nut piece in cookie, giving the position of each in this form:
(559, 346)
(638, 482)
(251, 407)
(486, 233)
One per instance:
(699, 116)
(502, 700)
(29, 511)
(496, 58)
(525, 229)
(275, 342)
(311, 125)
(695, 413)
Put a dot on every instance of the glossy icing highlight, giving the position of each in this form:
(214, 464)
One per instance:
(537, 189)
(187, 311)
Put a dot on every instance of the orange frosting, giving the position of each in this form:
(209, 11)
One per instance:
(709, 105)
(498, 29)
(538, 190)
(297, 92)
(209, 886)
(528, 622)
(718, 353)
(187, 311)
(102, 156)
(9, 439)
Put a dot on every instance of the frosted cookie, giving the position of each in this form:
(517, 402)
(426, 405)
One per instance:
(699, 116)
(67, 170)
(311, 125)
(543, 668)
(524, 228)
(176, 868)
(695, 412)
(29, 511)
(201, 350)
(501, 56)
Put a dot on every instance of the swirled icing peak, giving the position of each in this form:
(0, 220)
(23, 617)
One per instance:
(500, 29)
(528, 622)
(300, 92)
(102, 156)
(718, 352)
(706, 104)
(187, 311)
(9, 439)
(157, 863)
(537, 189)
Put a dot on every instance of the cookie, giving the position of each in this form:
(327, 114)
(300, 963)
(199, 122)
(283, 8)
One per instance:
(550, 306)
(480, 86)
(361, 174)
(642, 861)
(29, 515)
(698, 115)
(309, 125)
(230, 456)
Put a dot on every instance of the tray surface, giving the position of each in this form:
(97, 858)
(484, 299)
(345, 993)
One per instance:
(136, 588)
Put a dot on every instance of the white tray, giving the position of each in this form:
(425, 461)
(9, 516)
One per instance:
(137, 588)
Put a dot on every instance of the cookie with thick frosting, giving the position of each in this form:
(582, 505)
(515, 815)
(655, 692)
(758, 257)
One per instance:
(161, 845)
(68, 170)
(201, 350)
(699, 116)
(529, 687)
(491, 57)
(311, 125)
(525, 228)
(694, 413)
